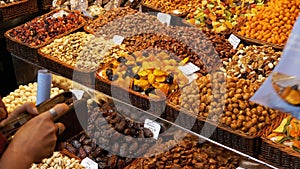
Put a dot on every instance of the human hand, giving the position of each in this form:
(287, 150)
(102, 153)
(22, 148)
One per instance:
(35, 140)
(28, 107)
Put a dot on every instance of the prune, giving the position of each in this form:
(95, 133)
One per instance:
(149, 90)
(76, 144)
(122, 60)
(137, 88)
(137, 77)
(87, 149)
(109, 72)
(170, 79)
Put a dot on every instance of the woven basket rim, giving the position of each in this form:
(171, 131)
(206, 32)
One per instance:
(53, 58)
(219, 125)
(13, 3)
(82, 20)
(159, 10)
(255, 41)
(129, 90)
(281, 147)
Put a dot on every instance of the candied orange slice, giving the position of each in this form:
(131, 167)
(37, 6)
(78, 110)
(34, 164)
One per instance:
(160, 79)
(151, 78)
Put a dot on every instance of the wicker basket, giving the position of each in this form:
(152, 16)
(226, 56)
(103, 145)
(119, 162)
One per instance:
(236, 139)
(27, 51)
(84, 77)
(257, 42)
(17, 9)
(276, 154)
(137, 99)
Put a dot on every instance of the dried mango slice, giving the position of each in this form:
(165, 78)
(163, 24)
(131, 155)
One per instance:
(151, 78)
(160, 79)
(158, 72)
(142, 83)
(143, 73)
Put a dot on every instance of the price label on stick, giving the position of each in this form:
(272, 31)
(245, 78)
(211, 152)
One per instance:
(164, 18)
(89, 164)
(152, 126)
(118, 39)
(189, 68)
(234, 41)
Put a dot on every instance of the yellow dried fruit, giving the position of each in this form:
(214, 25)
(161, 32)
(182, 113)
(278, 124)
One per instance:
(151, 78)
(135, 69)
(160, 79)
(143, 73)
(142, 83)
(158, 72)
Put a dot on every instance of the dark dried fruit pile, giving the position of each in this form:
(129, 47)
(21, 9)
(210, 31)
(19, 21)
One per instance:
(42, 29)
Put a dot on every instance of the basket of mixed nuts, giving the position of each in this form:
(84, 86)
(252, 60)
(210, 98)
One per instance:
(239, 122)
(16, 8)
(280, 144)
(76, 56)
(25, 39)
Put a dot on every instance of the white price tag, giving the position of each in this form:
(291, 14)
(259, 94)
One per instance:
(240, 168)
(152, 126)
(189, 68)
(61, 13)
(192, 77)
(118, 39)
(131, 1)
(89, 164)
(234, 41)
(78, 93)
(164, 18)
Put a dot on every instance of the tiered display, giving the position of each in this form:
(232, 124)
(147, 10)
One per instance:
(147, 68)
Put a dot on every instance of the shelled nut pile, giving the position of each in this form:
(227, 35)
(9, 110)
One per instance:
(58, 161)
(94, 52)
(25, 93)
(42, 29)
(109, 16)
(207, 97)
(168, 6)
(190, 154)
(221, 44)
(67, 48)
(162, 42)
(254, 63)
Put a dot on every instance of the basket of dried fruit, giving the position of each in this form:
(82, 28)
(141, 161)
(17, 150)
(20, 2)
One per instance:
(221, 17)
(280, 146)
(107, 17)
(224, 103)
(177, 8)
(16, 8)
(142, 78)
(271, 25)
(25, 39)
(76, 56)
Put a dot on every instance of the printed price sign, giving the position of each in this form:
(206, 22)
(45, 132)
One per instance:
(164, 18)
(78, 93)
(118, 39)
(89, 164)
(234, 41)
(152, 126)
(189, 68)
